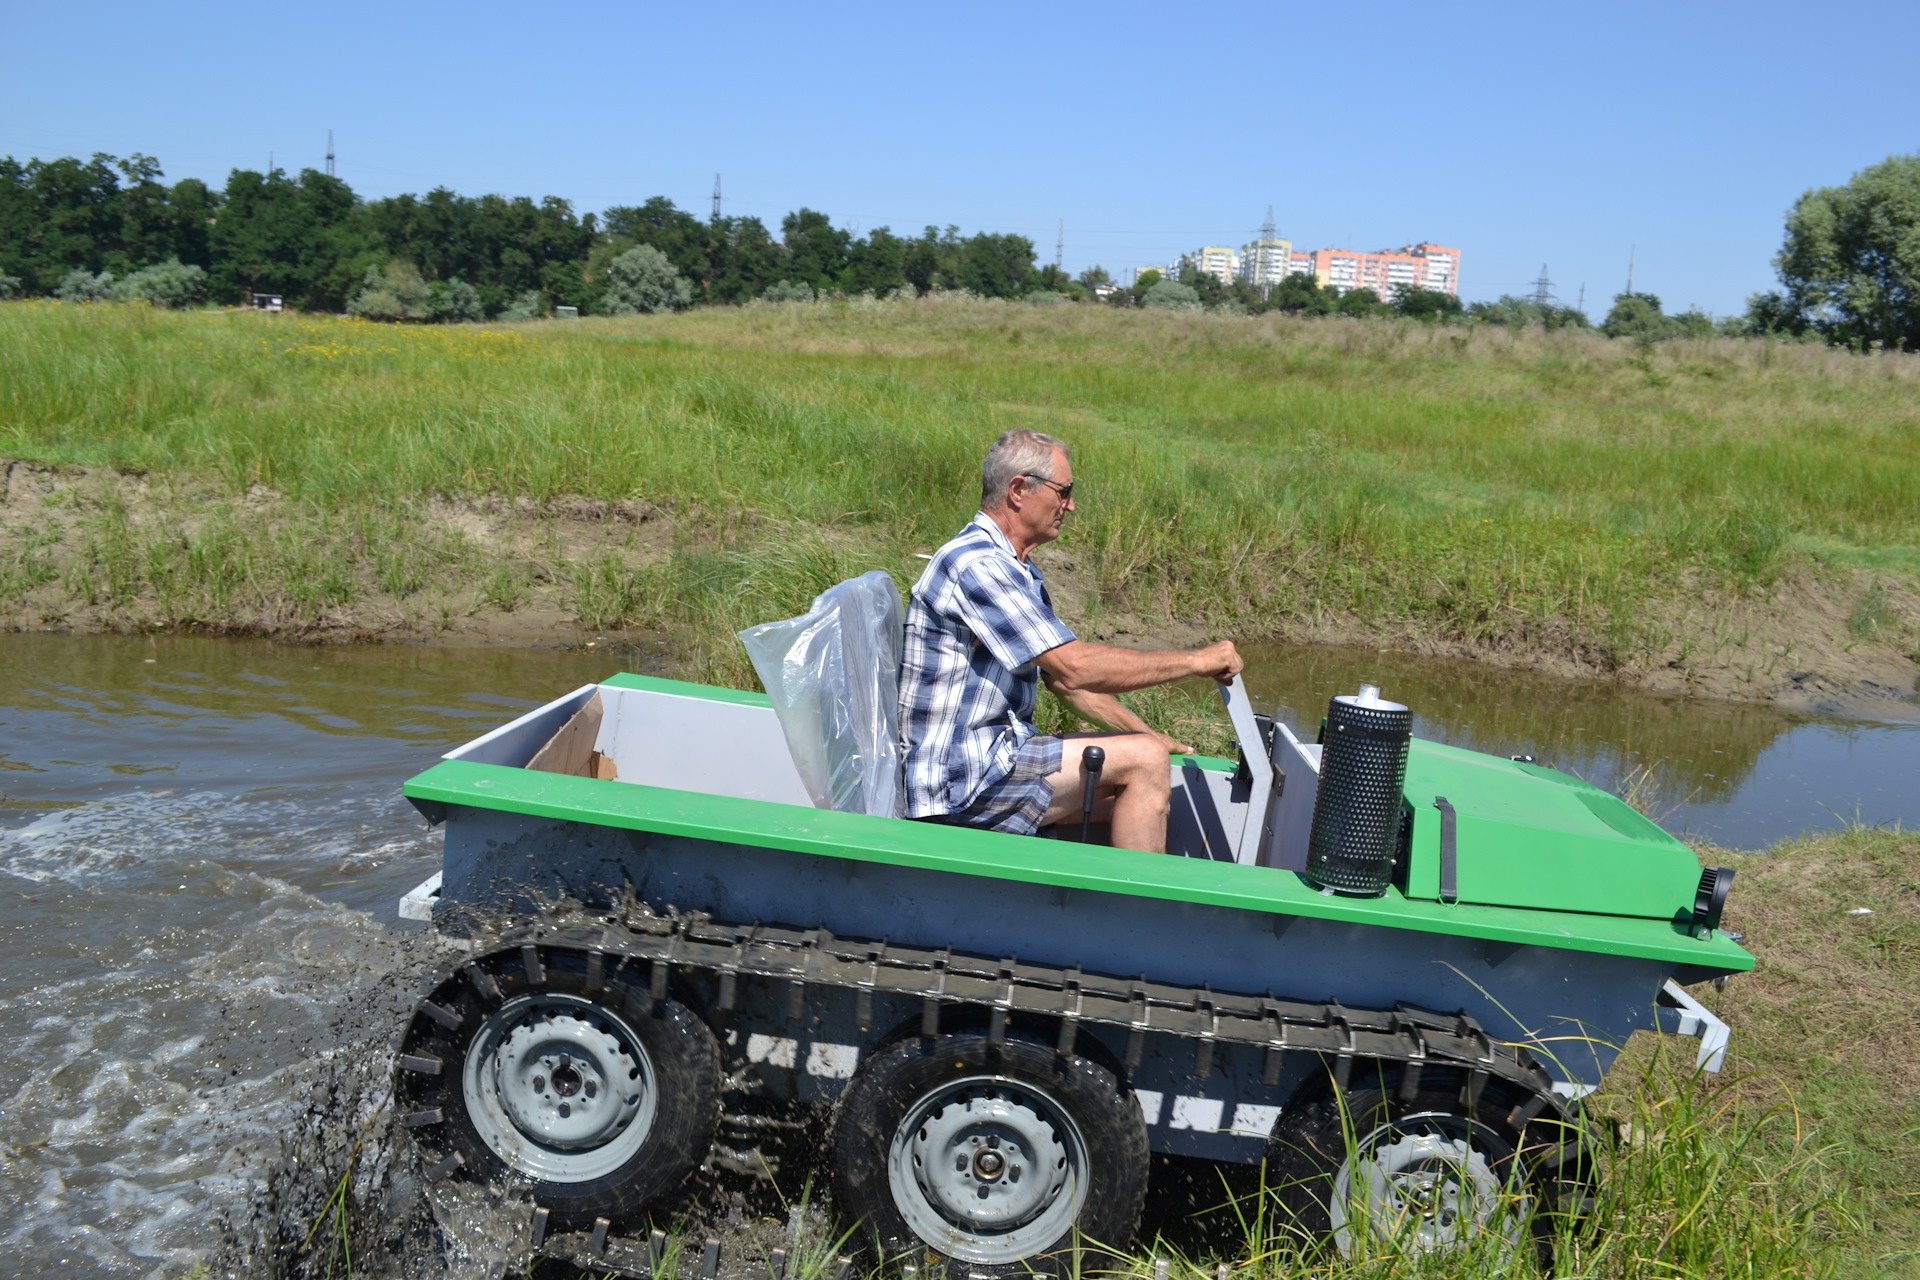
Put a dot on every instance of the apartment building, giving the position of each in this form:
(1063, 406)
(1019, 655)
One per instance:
(1423, 266)
(1264, 262)
(1216, 260)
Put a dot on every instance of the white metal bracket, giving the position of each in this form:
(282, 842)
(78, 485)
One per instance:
(1681, 1014)
(418, 902)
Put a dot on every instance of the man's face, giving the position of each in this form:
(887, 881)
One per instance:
(1044, 510)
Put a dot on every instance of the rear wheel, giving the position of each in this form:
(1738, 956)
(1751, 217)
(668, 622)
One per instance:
(601, 1100)
(1005, 1159)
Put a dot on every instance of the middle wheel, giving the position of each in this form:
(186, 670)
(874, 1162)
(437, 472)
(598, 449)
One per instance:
(998, 1157)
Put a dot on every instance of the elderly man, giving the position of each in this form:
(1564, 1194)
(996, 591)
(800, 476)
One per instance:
(982, 634)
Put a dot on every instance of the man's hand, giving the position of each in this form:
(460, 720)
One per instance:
(1220, 661)
(1173, 748)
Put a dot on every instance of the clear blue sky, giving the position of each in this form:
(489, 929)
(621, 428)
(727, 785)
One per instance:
(1523, 134)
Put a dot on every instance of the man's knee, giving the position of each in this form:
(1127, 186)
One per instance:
(1144, 763)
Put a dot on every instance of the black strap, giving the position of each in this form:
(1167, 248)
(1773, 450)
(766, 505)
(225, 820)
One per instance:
(1449, 883)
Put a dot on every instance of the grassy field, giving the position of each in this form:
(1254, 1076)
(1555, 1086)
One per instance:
(1666, 510)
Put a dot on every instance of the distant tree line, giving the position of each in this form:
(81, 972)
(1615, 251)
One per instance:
(113, 229)
(87, 227)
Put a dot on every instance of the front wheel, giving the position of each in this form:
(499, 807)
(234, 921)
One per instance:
(603, 1100)
(1004, 1158)
(1420, 1170)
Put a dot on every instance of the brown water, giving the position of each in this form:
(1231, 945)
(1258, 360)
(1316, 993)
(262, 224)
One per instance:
(202, 842)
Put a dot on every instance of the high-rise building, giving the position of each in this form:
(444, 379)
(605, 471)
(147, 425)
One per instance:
(1422, 266)
(1216, 260)
(1264, 262)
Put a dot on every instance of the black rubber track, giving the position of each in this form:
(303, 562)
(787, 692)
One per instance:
(879, 1097)
(687, 1071)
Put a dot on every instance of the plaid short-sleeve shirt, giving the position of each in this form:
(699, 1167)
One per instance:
(968, 684)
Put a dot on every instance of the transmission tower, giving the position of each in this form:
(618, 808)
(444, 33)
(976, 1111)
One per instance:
(716, 197)
(1582, 304)
(1267, 231)
(1060, 247)
(330, 172)
(1543, 289)
(1631, 253)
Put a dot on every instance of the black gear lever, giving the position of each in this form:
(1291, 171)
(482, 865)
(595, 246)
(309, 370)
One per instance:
(1092, 760)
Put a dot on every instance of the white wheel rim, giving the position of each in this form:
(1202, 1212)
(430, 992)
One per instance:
(988, 1169)
(1420, 1183)
(559, 1087)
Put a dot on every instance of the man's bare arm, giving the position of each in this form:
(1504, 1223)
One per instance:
(1109, 712)
(1083, 666)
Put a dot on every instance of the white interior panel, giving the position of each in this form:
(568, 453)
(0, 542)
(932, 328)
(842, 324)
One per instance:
(698, 744)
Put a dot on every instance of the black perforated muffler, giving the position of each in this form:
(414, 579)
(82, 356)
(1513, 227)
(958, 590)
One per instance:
(1356, 811)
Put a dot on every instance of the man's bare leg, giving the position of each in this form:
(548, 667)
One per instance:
(1138, 775)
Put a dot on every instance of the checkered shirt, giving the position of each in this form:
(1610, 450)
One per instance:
(968, 684)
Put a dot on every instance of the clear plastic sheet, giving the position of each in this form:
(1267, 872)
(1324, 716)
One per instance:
(834, 677)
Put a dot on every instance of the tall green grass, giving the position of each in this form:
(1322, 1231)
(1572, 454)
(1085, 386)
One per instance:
(1510, 490)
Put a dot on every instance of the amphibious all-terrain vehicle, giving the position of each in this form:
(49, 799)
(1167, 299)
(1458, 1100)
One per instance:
(1007, 1026)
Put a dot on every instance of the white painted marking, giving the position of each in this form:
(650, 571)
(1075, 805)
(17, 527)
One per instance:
(1199, 1114)
(832, 1061)
(1149, 1101)
(775, 1051)
(1252, 1120)
(1572, 1092)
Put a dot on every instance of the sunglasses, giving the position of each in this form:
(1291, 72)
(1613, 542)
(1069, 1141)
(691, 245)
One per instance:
(1064, 490)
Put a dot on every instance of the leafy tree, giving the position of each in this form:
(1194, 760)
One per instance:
(1425, 304)
(686, 241)
(1300, 294)
(165, 284)
(1359, 304)
(82, 285)
(643, 280)
(788, 291)
(1851, 260)
(1521, 313)
(393, 292)
(1095, 276)
(1171, 295)
(1771, 312)
(307, 240)
(1206, 286)
(10, 286)
(1638, 316)
(817, 252)
(877, 264)
(455, 301)
(525, 306)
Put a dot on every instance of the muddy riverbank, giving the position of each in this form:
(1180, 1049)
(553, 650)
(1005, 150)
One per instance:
(95, 550)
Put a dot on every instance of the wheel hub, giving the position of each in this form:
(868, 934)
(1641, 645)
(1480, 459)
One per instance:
(1427, 1188)
(564, 1082)
(559, 1087)
(987, 1170)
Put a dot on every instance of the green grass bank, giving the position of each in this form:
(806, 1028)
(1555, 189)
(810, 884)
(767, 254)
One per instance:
(1710, 515)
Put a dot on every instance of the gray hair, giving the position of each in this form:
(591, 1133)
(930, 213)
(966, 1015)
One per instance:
(1016, 453)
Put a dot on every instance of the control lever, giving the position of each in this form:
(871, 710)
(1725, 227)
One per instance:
(1092, 760)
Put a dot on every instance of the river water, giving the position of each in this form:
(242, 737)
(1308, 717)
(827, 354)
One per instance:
(202, 842)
